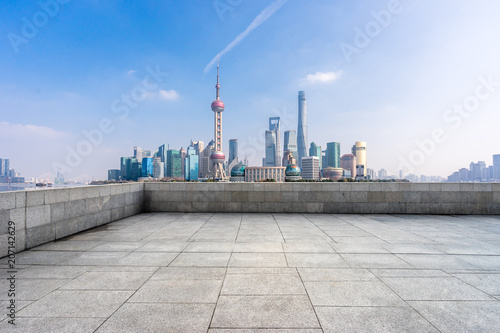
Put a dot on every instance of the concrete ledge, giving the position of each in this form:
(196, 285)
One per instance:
(336, 198)
(41, 216)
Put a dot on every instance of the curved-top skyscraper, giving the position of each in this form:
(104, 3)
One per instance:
(217, 157)
(302, 128)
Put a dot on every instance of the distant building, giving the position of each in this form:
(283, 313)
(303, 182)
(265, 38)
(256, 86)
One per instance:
(233, 150)
(370, 173)
(359, 150)
(289, 158)
(147, 167)
(333, 173)
(174, 164)
(274, 125)
(60, 178)
(310, 168)
(191, 165)
(348, 162)
(333, 154)
(204, 160)
(255, 174)
(126, 167)
(182, 152)
(496, 167)
(4, 167)
(138, 154)
(315, 150)
(270, 159)
(158, 168)
(114, 174)
(136, 170)
(290, 144)
(382, 174)
(302, 127)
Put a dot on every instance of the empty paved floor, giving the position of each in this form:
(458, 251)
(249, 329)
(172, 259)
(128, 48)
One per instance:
(171, 272)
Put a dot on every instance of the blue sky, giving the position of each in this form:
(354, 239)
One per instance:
(394, 87)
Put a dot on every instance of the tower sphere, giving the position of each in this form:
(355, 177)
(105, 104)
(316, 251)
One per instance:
(217, 106)
(218, 157)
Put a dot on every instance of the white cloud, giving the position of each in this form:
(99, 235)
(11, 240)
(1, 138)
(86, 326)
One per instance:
(322, 77)
(169, 95)
(261, 18)
(33, 131)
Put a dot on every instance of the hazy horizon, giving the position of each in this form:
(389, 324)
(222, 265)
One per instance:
(418, 81)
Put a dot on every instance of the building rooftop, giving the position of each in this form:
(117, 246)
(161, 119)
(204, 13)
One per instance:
(175, 272)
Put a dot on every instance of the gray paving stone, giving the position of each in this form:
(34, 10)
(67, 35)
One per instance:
(222, 330)
(52, 272)
(43, 257)
(482, 262)
(261, 270)
(375, 261)
(189, 273)
(108, 281)
(94, 258)
(434, 288)
(372, 320)
(308, 247)
(444, 262)
(489, 283)
(452, 317)
(117, 246)
(202, 259)
(67, 245)
(258, 247)
(257, 260)
(146, 317)
(335, 274)
(264, 311)
(208, 247)
(315, 260)
(77, 304)
(57, 325)
(146, 259)
(178, 291)
(30, 289)
(164, 246)
(400, 273)
(370, 293)
(262, 284)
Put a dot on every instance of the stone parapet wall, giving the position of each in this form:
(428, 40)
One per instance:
(41, 216)
(339, 198)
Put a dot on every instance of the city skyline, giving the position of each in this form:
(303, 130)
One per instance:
(417, 94)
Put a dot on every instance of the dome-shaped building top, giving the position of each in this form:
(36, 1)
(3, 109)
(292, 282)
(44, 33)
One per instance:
(292, 170)
(238, 170)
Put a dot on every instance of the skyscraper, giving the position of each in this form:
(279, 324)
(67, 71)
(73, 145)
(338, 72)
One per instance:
(270, 159)
(302, 128)
(333, 154)
(173, 164)
(274, 125)
(359, 150)
(315, 150)
(290, 144)
(158, 168)
(147, 167)
(4, 167)
(138, 154)
(191, 165)
(496, 167)
(182, 152)
(233, 150)
(217, 157)
(348, 162)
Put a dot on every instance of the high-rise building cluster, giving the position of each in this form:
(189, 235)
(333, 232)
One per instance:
(318, 163)
(478, 172)
(8, 174)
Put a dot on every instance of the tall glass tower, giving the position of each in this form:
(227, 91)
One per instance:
(302, 128)
(233, 150)
(496, 166)
(290, 144)
(333, 154)
(274, 125)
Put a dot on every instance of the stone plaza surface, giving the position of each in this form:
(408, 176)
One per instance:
(203, 272)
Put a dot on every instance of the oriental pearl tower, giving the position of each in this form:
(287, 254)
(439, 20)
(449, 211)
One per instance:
(217, 157)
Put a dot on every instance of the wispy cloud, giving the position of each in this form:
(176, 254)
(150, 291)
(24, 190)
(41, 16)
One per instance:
(35, 132)
(322, 77)
(261, 18)
(169, 95)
